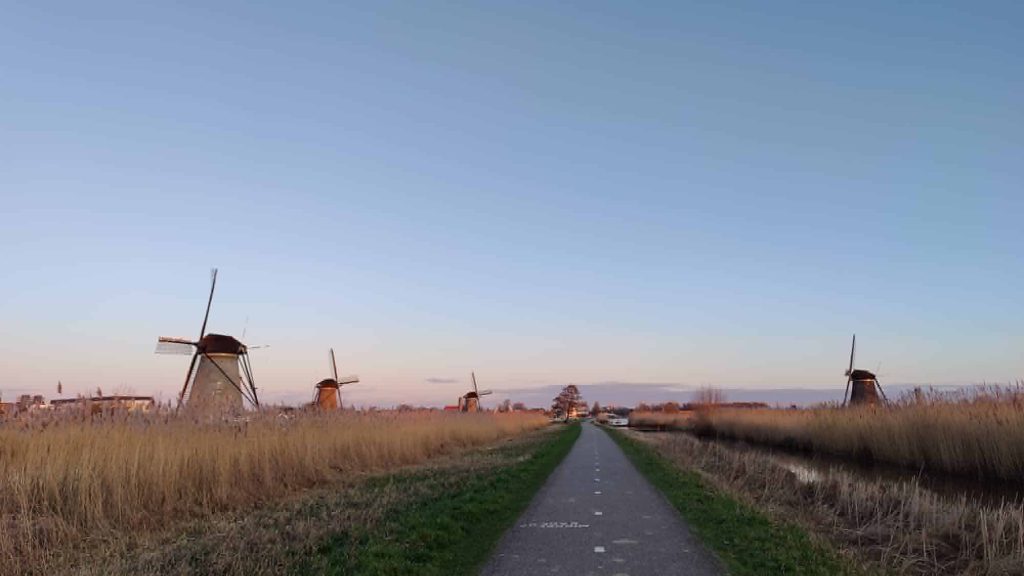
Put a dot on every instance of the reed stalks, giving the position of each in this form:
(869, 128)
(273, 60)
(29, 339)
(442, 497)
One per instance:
(900, 526)
(67, 477)
(660, 420)
(980, 434)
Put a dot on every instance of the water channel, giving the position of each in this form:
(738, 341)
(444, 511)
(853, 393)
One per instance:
(811, 467)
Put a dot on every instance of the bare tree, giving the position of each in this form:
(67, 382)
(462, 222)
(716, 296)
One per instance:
(568, 401)
(707, 396)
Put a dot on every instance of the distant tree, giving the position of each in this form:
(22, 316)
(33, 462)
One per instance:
(670, 407)
(707, 396)
(595, 409)
(519, 407)
(567, 401)
(642, 407)
(505, 406)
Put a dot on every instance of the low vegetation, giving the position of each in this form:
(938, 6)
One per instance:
(893, 527)
(979, 434)
(660, 420)
(442, 517)
(455, 529)
(747, 540)
(66, 480)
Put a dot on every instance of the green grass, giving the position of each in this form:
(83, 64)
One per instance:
(453, 522)
(745, 539)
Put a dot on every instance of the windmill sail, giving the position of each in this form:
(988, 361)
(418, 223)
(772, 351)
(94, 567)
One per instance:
(171, 347)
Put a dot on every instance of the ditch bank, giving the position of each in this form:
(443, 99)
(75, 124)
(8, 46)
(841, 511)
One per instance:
(887, 524)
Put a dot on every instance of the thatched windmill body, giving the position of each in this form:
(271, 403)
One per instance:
(470, 401)
(222, 381)
(862, 387)
(328, 391)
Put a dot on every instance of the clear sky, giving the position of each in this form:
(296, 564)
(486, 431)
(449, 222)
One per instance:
(678, 192)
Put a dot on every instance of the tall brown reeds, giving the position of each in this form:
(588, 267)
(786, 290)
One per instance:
(901, 526)
(979, 435)
(660, 420)
(66, 477)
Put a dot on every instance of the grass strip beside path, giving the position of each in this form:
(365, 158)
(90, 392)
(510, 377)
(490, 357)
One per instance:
(745, 539)
(453, 529)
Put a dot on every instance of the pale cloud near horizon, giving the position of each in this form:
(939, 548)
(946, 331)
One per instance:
(436, 380)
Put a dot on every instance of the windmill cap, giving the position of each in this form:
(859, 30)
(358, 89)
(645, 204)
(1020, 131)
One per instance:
(221, 344)
(862, 375)
(327, 383)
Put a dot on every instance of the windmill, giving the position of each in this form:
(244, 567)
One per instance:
(470, 402)
(223, 378)
(862, 387)
(328, 390)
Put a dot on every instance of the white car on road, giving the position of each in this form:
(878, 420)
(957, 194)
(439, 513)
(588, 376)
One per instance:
(618, 421)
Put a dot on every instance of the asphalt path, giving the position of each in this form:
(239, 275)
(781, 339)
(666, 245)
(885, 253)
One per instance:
(597, 515)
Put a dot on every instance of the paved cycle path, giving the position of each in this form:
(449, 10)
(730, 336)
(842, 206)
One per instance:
(597, 515)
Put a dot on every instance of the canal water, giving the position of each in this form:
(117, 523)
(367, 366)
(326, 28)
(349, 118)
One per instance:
(810, 468)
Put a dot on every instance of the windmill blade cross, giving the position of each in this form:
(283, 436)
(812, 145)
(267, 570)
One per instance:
(334, 365)
(484, 393)
(853, 349)
(473, 376)
(188, 376)
(350, 379)
(209, 302)
(882, 392)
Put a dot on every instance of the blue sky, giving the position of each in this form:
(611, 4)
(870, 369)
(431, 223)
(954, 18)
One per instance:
(668, 192)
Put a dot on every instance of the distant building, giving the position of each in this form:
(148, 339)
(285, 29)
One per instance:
(30, 403)
(106, 403)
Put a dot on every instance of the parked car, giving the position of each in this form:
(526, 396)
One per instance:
(618, 421)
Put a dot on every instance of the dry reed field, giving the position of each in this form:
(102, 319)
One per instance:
(64, 478)
(660, 420)
(980, 435)
(900, 527)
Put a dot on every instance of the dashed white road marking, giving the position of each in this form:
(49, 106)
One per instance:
(598, 513)
(599, 549)
(598, 492)
(573, 524)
